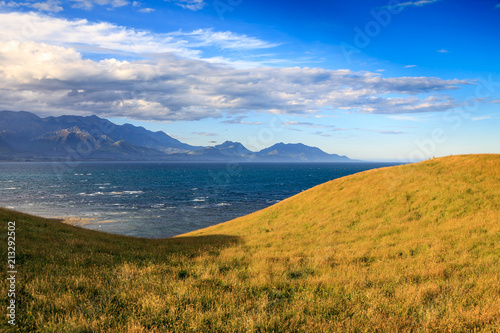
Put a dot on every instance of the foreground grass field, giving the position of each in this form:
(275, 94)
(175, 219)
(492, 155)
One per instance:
(413, 248)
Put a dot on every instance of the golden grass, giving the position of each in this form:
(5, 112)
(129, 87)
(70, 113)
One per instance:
(413, 248)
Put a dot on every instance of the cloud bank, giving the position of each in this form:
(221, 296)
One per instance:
(42, 68)
(57, 5)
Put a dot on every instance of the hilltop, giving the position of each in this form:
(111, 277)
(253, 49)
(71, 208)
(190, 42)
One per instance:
(405, 248)
(405, 199)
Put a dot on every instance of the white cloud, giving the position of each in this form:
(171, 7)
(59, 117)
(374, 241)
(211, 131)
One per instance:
(408, 105)
(239, 120)
(306, 124)
(56, 5)
(205, 134)
(10, 4)
(89, 4)
(391, 132)
(443, 51)
(42, 77)
(146, 10)
(110, 38)
(326, 116)
(48, 6)
(225, 40)
(42, 69)
(418, 3)
(410, 66)
(481, 118)
(189, 4)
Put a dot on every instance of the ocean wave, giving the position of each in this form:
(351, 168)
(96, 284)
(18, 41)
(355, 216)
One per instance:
(110, 193)
(158, 205)
(133, 192)
(272, 201)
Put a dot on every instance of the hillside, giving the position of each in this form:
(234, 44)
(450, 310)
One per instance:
(406, 248)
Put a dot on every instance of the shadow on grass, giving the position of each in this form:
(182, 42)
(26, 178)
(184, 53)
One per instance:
(196, 244)
(49, 238)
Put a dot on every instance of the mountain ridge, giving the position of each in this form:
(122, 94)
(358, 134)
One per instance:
(26, 136)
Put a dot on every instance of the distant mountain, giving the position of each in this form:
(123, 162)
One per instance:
(140, 136)
(69, 139)
(25, 136)
(122, 150)
(230, 148)
(5, 147)
(292, 152)
(233, 151)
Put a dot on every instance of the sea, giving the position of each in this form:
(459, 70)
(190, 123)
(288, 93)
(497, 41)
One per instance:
(158, 199)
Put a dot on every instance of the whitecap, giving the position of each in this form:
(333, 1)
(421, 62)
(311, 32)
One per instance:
(133, 192)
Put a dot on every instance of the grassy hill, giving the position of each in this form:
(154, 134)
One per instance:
(406, 248)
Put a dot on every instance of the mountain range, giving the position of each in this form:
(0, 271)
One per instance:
(24, 136)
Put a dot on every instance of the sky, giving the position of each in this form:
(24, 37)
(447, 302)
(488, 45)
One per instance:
(373, 80)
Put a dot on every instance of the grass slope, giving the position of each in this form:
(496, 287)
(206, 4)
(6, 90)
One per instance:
(407, 248)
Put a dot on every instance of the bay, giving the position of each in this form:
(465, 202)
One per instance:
(156, 200)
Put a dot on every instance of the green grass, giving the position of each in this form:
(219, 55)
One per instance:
(413, 248)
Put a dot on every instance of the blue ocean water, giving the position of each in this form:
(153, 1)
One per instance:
(158, 200)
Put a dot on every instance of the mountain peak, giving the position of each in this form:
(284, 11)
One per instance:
(299, 152)
(51, 137)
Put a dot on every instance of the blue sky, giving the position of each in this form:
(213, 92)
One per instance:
(374, 80)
